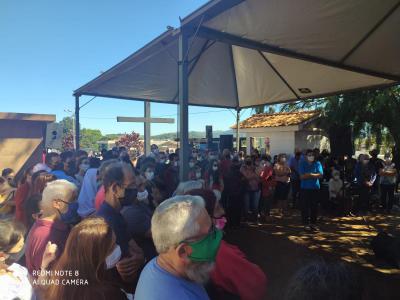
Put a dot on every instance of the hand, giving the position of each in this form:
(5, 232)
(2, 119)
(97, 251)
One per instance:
(49, 255)
(129, 267)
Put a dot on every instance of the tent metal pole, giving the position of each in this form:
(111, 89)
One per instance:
(237, 130)
(147, 130)
(77, 129)
(183, 110)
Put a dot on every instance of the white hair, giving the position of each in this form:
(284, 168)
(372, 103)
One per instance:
(187, 186)
(174, 221)
(60, 189)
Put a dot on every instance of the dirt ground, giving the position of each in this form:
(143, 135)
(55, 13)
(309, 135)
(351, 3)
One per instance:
(281, 247)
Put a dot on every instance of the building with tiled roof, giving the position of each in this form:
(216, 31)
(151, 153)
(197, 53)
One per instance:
(279, 119)
(276, 133)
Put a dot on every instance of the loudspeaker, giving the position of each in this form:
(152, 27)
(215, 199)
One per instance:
(225, 142)
(209, 133)
(341, 141)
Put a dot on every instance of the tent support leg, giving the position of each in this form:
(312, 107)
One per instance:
(147, 132)
(237, 130)
(77, 129)
(183, 110)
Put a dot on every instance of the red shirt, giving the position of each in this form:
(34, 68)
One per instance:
(100, 197)
(41, 233)
(20, 197)
(267, 180)
(225, 166)
(234, 274)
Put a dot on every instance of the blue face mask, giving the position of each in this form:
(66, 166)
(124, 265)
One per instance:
(71, 216)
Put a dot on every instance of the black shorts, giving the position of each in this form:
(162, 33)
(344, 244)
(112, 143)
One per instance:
(281, 191)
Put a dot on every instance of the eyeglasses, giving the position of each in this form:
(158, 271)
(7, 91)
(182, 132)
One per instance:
(211, 232)
(65, 202)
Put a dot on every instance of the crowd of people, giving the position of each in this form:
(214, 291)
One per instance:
(80, 227)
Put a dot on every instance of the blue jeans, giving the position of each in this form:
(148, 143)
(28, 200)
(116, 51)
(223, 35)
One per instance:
(251, 201)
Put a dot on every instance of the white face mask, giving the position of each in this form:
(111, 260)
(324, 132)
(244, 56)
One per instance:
(198, 175)
(113, 258)
(149, 175)
(215, 168)
(175, 163)
(310, 158)
(191, 165)
(142, 196)
(336, 177)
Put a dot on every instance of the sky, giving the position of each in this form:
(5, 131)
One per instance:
(49, 48)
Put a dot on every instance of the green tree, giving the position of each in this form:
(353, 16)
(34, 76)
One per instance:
(67, 124)
(89, 138)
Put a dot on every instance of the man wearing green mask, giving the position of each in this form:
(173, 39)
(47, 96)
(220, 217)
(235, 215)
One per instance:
(187, 244)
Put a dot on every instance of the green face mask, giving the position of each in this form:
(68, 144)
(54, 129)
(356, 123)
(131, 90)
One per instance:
(207, 248)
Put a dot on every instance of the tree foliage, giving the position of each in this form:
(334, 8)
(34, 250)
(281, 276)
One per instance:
(369, 113)
(89, 138)
(68, 141)
(130, 140)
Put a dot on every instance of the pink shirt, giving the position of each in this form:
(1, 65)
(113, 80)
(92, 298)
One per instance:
(100, 197)
(41, 233)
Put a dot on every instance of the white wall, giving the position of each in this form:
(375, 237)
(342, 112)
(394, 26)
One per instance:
(280, 141)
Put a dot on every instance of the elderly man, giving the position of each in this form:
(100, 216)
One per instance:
(187, 244)
(57, 197)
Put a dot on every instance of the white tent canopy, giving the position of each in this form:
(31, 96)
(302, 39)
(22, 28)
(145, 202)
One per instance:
(246, 53)
(265, 51)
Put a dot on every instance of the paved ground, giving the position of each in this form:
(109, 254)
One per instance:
(282, 247)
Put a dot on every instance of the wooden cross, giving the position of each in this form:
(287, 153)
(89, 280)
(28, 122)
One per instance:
(147, 120)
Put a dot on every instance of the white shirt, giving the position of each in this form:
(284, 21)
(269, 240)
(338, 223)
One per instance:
(17, 285)
(335, 187)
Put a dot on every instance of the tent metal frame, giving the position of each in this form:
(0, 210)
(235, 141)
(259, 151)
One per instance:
(191, 26)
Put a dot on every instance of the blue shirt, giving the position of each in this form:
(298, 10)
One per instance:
(60, 174)
(157, 284)
(115, 220)
(304, 168)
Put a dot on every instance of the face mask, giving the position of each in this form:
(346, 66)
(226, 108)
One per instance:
(198, 175)
(191, 165)
(215, 168)
(207, 248)
(162, 161)
(200, 158)
(149, 175)
(298, 154)
(142, 196)
(130, 195)
(365, 161)
(212, 157)
(71, 217)
(248, 163)
(310, 158)
(155, 151)
(388, 160)
(336, 177)
(194, 155)
(175, 163)
(220, 223)
(113, 258)
(283, 160)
